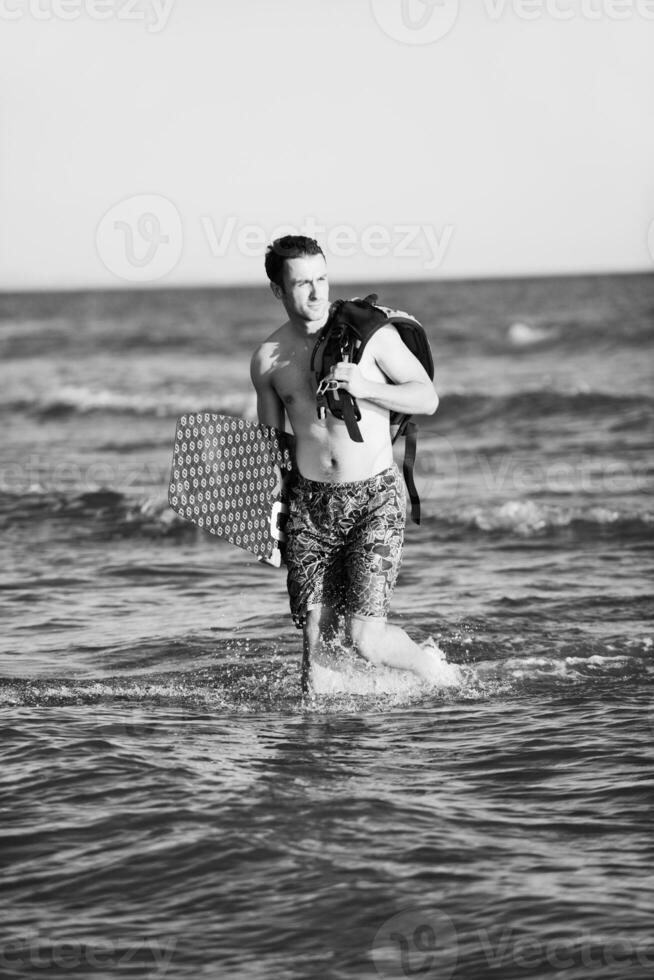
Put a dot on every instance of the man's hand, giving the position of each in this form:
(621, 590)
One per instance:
(349, 378)
(409, 389)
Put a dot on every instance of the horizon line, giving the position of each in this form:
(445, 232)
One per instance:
(263, 283)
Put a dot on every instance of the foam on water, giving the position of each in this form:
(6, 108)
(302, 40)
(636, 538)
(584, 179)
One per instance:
(527, 518)
(345, 673)
(340, 681)
(525, 334)
(570, 669)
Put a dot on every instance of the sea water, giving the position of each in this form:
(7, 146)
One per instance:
(172, 806)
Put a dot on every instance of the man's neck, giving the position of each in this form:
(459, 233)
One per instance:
(307, 328)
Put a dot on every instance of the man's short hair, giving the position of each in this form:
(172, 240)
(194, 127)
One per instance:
(288, 247)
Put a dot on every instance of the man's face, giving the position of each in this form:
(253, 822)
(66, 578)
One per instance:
(306, 288)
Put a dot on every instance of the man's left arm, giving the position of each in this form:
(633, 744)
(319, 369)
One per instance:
(412, 391)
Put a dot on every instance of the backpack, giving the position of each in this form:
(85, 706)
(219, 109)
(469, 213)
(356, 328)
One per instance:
(351, 325)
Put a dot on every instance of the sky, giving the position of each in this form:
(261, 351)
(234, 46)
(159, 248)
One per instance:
(165, 142)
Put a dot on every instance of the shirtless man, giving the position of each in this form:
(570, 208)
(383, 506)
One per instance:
(347, 506)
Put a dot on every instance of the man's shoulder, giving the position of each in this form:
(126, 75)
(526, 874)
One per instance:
(275, 338)
(384, 332)
(382, 338)
(267, 351)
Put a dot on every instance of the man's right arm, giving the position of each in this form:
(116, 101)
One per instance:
(270, 407)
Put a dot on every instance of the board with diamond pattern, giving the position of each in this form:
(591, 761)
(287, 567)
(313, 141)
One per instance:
(227, 478)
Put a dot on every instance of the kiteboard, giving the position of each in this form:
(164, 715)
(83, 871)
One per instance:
(229, 477)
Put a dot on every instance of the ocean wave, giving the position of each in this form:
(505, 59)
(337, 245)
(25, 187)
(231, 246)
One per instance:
(528, 519)
(113, 513)
(102, 513)
(81, 400)
(529, 406)
(527, 335)
(559, 671)
(455, 409)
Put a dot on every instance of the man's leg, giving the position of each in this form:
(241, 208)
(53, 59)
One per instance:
(373, 560)
(311, 550)
(321, 626)
(389, 646)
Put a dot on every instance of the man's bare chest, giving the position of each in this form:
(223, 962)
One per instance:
(293, 379)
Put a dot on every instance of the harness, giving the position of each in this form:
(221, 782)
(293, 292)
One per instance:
(350, 327)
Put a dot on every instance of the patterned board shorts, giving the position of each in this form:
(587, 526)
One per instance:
(345, 544)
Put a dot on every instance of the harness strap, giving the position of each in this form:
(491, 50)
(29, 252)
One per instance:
(347, 408)
(407, 468)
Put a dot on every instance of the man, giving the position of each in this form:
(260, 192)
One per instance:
(347, 506)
